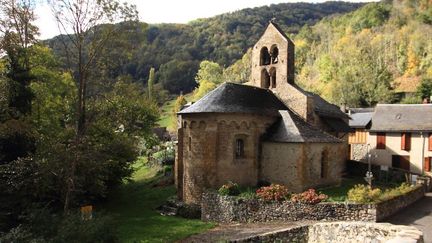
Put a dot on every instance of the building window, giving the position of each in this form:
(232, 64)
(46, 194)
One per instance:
(273, 77)
(406, 141)
(401, 162)
(381, 140)
(324, 160)
(239, 153)
(428, 164)
(430, 141)
(264, 57)
(190, 144)
(274, 53)
(265, 79)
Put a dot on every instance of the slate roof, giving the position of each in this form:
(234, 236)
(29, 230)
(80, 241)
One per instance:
(292, 129)
(360, 120)
(325, 109)
(402, 117)
(237, 98)
(337, 124)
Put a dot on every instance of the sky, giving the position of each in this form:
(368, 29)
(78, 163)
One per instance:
(167, 11)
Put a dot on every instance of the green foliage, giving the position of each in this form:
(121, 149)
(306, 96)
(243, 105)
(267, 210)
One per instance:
(175, 50)
(274, 192)
(74, 229)
(133, 208)
(203, 88)
(210, 72)
(45, 227)
(371, 15)
(229, 189)
(150, 83)
(177, 76)
(179, 103)
(396, 191)
(310, 196)
(411, 99)
(363, 57)
(247, 193)
(239, 72)
(425, 88)
(364, 194)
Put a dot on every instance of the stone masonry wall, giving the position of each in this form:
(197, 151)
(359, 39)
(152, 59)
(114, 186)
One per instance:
(225, 209)
(387, 208)
(298, 165)
(359, 152)
(354, 232)
(206, 152)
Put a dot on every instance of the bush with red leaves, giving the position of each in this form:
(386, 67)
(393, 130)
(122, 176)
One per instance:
(310, 196)
(274, 192)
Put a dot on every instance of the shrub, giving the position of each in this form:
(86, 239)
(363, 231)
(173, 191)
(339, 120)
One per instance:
(364, 194)
(74, 229)
(229, 189)
(274, 192)
(248, 193)
(394, 192)
(310, 196)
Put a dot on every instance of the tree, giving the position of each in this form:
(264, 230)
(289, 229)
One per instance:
(424, 90)
(177, 76)
(17, 35)
(150, 83)
(209, 71)
(240, 71)
(81, 22)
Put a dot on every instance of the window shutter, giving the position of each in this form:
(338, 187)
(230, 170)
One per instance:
(427, 164)
(430, 141)
(406, 141)
(381, 140)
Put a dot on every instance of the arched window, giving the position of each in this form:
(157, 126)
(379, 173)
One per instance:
(239, 148)
(274, 53)
(273, 77)
(264, 56)
(324, 163)
(265, 79)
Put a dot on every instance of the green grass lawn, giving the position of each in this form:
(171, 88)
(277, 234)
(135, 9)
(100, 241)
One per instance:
(167, 118)
(339, 193)
(133, 208)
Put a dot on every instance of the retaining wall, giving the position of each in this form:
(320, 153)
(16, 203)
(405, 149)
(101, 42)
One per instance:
(354, 232)
(227, 209)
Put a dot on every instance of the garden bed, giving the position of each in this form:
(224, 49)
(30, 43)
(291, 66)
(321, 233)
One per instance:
(229, 209)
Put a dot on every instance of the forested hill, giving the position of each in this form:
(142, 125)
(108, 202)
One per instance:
(175, 50)
(370, 55)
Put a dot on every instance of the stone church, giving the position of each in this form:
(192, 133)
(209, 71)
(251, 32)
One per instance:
(268, 131)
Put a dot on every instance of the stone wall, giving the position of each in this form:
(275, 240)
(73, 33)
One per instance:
(298, 165)
(387, 208)
(359, 152)
(206, 152)
(225, 209)
(342, 232)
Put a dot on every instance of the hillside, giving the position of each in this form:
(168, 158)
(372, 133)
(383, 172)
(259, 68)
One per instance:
(369, 55)
(175, 50)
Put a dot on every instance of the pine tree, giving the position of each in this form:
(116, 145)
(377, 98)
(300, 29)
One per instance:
(150, 83)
